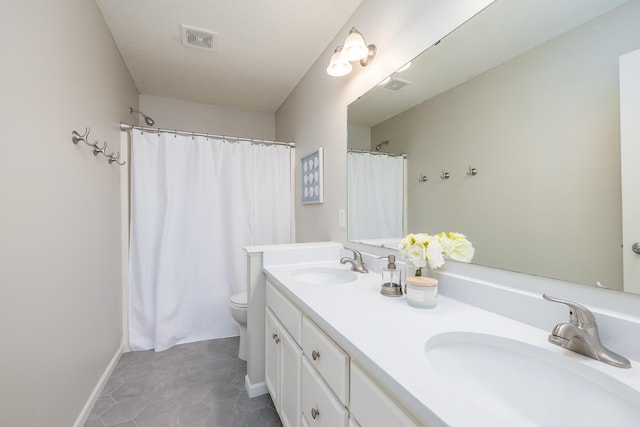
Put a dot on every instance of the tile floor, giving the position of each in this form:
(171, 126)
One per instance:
(190, 385)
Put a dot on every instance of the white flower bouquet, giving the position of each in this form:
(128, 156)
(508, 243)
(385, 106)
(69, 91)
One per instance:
(421, 249)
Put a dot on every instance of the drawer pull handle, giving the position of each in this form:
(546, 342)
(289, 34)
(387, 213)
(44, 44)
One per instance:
(315, 355)
(275, 337)
(314, 413)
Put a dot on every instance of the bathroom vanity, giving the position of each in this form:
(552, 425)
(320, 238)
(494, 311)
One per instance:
(340, 354)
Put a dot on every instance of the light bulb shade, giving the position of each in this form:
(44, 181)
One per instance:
(355, 47)
(338, 65)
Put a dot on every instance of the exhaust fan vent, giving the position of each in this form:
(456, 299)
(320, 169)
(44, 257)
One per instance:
(395, 85)
(197, 37)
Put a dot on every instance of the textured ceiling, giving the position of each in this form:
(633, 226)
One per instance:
(262, 50)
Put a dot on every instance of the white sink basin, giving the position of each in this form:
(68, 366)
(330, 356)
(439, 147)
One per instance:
(531, 386)
(325, 275)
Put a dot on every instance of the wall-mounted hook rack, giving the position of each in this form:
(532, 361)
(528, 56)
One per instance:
(97, 149)
(422, 178)
(445, 175)
(472, 171)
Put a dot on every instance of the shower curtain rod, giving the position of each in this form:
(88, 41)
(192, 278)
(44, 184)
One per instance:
(127, 128)
(376, 153)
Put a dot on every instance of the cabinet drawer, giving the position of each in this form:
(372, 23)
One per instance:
(331, 362)
(320, 408)
(372, 406)
(286, 312)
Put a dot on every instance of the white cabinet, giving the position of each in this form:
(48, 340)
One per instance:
(313, 382)
(272, 356)
(283, 360)
(290, 371)
(320, 407)
(372, 406)
(331, 362)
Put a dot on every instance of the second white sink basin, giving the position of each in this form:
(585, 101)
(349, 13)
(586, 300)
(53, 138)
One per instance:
(325, 275)
(528, 385)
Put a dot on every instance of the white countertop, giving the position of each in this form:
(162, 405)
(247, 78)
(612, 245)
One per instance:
(387, 337)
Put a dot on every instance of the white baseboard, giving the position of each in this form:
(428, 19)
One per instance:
(255, 390)
(84, 414)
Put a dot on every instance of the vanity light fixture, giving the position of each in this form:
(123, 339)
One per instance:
(338, 66)
(354, 49)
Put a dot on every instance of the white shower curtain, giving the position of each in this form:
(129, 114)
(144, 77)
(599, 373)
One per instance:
(376, 193)
(195, 202)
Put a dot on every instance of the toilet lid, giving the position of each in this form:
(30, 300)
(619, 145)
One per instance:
(239, 299)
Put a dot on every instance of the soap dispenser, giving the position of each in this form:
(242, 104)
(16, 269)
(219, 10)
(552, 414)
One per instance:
(391, 279)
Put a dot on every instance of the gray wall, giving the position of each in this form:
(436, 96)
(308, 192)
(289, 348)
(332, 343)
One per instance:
(543, 130)
(315, 113)
(60, 256)
(171, 113)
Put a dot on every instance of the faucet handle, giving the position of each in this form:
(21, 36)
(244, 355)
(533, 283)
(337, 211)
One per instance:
(580, 315)
(356, 254)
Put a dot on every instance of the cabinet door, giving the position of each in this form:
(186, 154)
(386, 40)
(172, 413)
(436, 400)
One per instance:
(320, 407)
(271, 359)
(372, 406)
(290, 376)
(331, 362)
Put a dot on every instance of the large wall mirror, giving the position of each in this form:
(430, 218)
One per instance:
(509, 130)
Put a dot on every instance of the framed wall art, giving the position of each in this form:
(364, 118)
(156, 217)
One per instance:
(312, 178)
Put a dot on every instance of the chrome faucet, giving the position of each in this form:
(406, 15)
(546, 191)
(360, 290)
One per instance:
(356, 262)
(581, 335)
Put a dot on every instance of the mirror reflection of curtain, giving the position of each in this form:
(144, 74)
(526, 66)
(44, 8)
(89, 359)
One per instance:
(376, 192)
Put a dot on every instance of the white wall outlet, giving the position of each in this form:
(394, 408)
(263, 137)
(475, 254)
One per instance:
(342, 218)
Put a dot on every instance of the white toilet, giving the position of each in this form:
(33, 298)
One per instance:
(238, 306)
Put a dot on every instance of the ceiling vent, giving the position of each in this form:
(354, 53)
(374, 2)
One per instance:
(197, 37)
(395, 85)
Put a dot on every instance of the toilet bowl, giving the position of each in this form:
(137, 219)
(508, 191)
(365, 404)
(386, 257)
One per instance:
(238, 306)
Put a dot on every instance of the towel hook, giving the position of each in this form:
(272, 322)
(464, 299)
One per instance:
(97, 149)
(422, 178)
(76, 137)
(472, 171)
(114, 157)
(445, 175)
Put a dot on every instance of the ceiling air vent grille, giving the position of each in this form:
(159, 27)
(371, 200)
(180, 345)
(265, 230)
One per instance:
(395, 85)
(197, 37)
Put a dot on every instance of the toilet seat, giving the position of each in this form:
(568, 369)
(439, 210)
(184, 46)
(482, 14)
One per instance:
(239, 300)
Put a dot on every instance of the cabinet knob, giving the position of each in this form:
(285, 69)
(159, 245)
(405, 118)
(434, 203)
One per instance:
(275, 337)
(314, 413)
(315, 355)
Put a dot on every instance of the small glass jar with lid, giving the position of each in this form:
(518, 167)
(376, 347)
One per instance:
(422, 292)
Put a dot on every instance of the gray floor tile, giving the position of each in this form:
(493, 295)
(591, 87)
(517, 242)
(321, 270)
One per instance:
(122, 411)
(127, 424)
(191, 385)
(94, 422)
